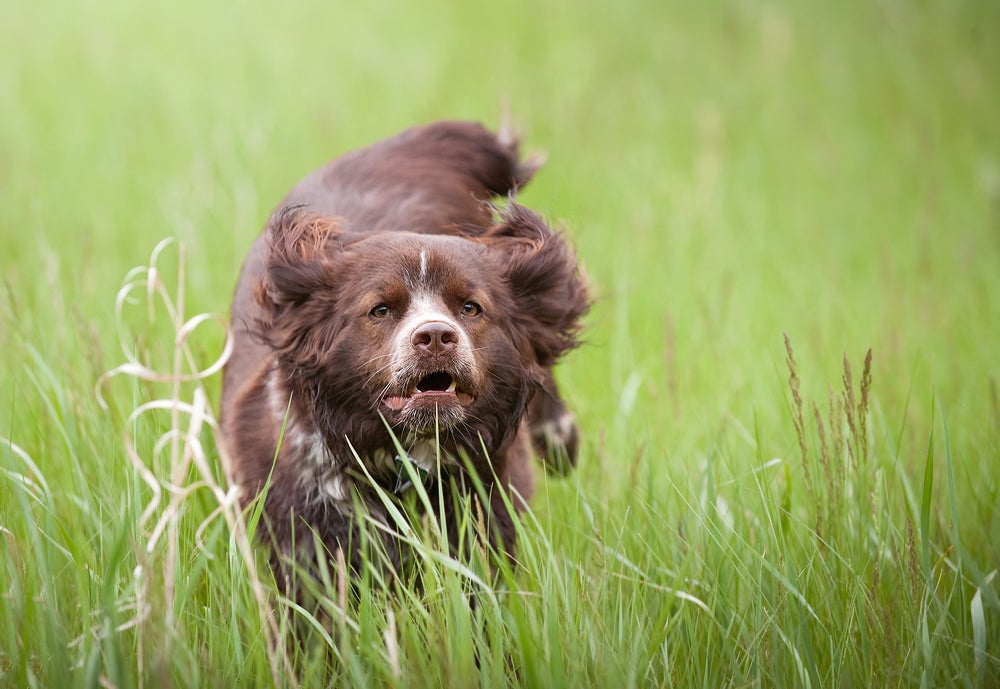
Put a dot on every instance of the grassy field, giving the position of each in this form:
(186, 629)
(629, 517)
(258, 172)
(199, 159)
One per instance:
(747, 513)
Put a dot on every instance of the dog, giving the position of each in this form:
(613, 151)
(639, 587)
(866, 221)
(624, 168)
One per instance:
(400, 298)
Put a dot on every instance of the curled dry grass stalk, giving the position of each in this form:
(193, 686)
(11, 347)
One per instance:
(186, 468)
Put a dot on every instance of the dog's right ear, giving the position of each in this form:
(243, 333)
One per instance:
(299, 257)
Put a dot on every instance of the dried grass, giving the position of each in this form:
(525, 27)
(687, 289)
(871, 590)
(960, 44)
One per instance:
(179, 465)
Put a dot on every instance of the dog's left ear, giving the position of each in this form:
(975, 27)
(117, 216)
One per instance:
(549, 289)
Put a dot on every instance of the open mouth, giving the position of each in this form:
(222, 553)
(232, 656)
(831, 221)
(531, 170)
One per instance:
(439, 381)
(439, 388)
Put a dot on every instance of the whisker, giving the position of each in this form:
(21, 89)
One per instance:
(379, 356)
(385, 390)
(374, 373)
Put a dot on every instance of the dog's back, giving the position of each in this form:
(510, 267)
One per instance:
(440, 175)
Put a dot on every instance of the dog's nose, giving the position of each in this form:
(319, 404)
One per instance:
(434, 337)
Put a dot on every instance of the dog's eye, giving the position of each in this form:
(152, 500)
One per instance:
(380, 311)
(471, 308)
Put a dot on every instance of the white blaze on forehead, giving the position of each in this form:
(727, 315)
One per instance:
(426, 307)
(423, 265)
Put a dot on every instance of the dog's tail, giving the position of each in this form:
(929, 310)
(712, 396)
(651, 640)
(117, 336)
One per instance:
(523, 169)
(490, 162)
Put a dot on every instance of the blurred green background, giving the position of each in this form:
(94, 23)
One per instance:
(729, 172)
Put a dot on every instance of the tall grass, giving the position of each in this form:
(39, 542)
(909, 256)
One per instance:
(751, 508)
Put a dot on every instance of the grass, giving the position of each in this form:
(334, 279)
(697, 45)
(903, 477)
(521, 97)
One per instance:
(752, 508)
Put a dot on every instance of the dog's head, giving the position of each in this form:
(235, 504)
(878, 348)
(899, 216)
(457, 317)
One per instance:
(425, 330)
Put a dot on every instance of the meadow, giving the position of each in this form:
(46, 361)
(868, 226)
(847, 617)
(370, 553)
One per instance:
(790, 216)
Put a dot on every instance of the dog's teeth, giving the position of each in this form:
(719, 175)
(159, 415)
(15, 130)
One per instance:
(451, 388)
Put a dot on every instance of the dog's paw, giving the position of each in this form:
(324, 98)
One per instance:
(557, 443)
(554, 433)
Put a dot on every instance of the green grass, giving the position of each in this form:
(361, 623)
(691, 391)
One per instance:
(729, 172)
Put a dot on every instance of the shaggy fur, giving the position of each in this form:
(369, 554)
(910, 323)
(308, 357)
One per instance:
(387, 291)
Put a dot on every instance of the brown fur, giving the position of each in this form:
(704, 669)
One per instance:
(385, 289)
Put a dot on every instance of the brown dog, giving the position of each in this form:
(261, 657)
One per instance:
(386, 293)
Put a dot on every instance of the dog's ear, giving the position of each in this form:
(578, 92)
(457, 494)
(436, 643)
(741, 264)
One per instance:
(549, 289)
(299, 257)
